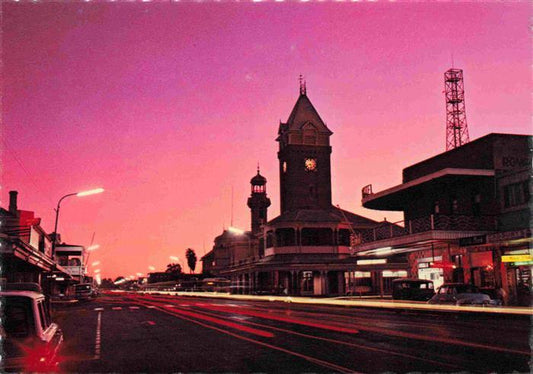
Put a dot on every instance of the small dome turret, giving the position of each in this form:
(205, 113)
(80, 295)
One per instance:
(258, 180)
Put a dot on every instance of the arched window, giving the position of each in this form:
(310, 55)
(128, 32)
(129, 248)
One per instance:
(310, 136)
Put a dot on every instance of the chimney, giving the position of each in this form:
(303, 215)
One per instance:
(13, 202)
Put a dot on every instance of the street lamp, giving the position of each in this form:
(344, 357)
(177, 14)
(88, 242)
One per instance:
(79, 194)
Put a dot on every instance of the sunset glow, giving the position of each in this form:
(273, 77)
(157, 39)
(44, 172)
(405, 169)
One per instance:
(171, 105)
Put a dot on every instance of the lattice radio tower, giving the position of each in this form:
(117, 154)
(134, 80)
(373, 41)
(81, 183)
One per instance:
(456, 127)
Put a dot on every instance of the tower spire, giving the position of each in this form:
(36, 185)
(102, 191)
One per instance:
(303, 89)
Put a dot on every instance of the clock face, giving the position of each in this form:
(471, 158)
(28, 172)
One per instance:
(310, 164)
(284, 166)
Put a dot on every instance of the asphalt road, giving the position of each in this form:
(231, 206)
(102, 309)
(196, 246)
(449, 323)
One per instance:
(159, 333)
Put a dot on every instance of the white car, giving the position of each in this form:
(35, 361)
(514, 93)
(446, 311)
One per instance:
(461, 294)
(31, 341)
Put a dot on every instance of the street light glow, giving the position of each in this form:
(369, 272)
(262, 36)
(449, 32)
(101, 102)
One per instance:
(90, 192)
(96, 271)
(235, 230)
(95, 263)
(93, 247)
(174, 258)
(151, 268)
(139, 274)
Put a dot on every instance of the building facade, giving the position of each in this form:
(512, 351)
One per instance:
(467, 217)
(306, 249)
(26, 250)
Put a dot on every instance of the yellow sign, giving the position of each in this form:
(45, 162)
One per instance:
(517, 258)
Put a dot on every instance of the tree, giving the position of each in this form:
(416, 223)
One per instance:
(174, 269)
(191, 259)
(107, 283)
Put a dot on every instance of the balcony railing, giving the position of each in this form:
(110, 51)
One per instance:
(433, 222)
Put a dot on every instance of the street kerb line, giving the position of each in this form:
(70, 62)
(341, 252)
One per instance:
(97, 346)
(314, 360)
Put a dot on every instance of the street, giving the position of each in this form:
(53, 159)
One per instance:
(127, 332)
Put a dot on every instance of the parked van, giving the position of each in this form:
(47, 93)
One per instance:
(412, 289)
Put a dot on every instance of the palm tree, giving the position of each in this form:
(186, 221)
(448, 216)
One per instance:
(191, 259)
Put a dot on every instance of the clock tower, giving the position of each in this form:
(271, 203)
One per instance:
(304, 158)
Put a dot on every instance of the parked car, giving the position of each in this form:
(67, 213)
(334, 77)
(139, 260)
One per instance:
(412, 289)
(461, 294)
(83, 291)
(31, 341)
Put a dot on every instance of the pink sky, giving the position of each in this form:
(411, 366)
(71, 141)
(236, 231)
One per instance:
(170, 105)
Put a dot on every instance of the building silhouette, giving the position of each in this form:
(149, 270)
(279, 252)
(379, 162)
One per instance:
(306, 249)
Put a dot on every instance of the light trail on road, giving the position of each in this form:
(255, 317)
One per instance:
(333, 341)
(236, 309)
(323, 363)
(361, 327)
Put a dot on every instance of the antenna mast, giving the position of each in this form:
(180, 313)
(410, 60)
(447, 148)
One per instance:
(456, 126)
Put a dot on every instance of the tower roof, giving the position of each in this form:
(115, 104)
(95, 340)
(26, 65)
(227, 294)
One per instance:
(304, 112)
(258, 180)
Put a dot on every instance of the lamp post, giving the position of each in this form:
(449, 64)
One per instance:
(79, 194)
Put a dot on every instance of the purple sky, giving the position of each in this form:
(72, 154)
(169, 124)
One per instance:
(170, 105)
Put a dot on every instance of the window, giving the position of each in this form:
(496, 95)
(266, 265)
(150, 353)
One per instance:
(317, 236)
(307, 281)
(344, 237)
(17, 316)
(310, 136)
(285, 237)
(454, 205)
(476, 203)
(516, 194)
(44, 315)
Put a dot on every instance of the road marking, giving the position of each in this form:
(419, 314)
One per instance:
(98, 308)
(97, 339)
(151, 323)
(151, 307)
(117, 308)
(170, 306)
(134, 307)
